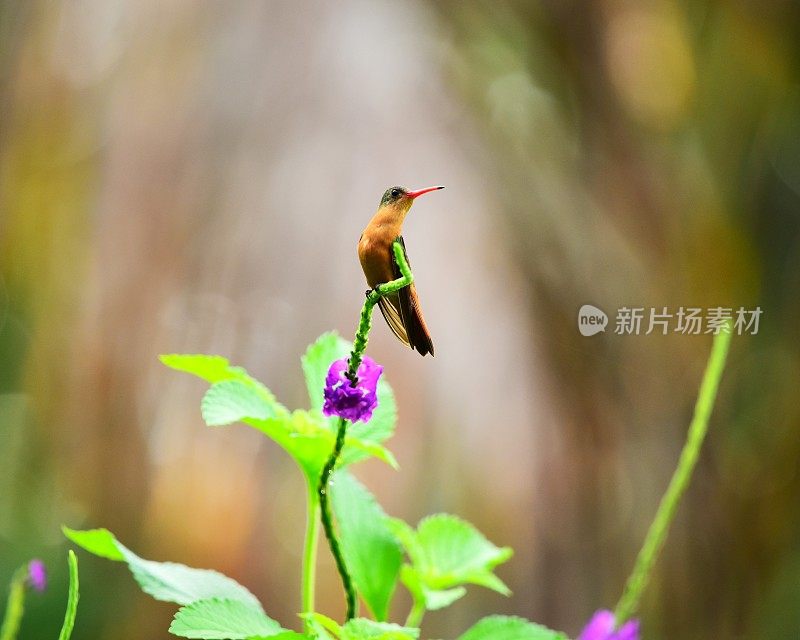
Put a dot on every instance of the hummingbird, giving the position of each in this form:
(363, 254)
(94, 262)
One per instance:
(401, 310)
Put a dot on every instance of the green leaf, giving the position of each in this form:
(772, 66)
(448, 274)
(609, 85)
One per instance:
(316, 362)
(249, 396)
(233, 400)
(223, 619)
(446, 552)
(100, 542)
(371, 551)
(165, 581)
(308, 436)
(510, 628)
(364, 629)
(72, 598)
(377, 430)
(433, 599)
(210, 368)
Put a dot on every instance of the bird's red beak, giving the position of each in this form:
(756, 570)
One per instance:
(416, 194)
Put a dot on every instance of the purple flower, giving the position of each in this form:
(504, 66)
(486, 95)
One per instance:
(37, 575)
(601, 627)
(352, 402)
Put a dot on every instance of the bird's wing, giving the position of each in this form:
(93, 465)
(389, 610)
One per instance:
(415, 330)
(390, 308)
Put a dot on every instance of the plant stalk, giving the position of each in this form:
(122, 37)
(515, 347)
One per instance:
(353, 363)
(310, 552)
(15, 605)
(327, 521)
(659, 528)
(72, 598)
(416, 614)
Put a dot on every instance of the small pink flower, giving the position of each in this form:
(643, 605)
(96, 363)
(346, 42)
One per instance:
(602, 627)
(37, 575)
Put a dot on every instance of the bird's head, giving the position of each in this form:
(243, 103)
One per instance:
(401, 199)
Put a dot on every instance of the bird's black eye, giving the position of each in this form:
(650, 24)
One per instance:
(395, 193)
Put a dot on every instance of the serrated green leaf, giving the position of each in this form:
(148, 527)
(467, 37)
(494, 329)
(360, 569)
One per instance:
(371, 551)
(446, 552)
(233, 400)
(364, 629)
(317, 360)
(223, 619)
(353, 447)
(284, 635)
(166, 581)
(377, 430)
(307, 436)
(433, 599)
(216, 369)
(510, 628)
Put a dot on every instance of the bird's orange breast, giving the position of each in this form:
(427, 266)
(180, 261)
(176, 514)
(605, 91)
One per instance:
(375, 249)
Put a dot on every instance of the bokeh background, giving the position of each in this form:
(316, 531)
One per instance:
(193, 176)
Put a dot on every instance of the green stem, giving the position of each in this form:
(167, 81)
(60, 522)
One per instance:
(15, 605)
(310, 551)
(657, 533)
(72, 598)
(356, 356)
(327, 520)
(416, 614)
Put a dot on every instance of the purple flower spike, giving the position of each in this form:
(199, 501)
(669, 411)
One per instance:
(352, 402)
(601, 627)
(37, 575)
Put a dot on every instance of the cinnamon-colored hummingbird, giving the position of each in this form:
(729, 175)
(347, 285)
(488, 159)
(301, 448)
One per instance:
(401, 310)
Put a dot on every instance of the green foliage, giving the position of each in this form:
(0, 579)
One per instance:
(232, 400)
(100, 542)
(166, 581)
(371, 551)
(212, 369)
(509, 628)
(15, 606)
(223, 619)
(316, 361)
(430, 599)
(447, 552)
(72, 598)
(308, 436)
(359, 629)
(363, 629)
(215, 607)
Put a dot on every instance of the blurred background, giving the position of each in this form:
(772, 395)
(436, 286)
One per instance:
(194, 176)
